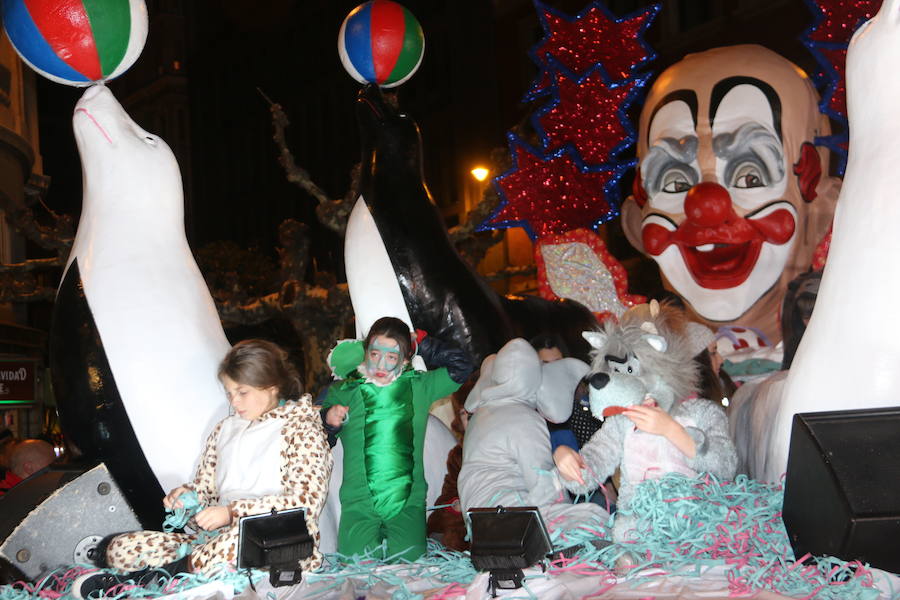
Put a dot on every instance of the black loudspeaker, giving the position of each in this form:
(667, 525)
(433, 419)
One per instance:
(842, 490)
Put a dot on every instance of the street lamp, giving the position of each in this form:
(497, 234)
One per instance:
(480, 173)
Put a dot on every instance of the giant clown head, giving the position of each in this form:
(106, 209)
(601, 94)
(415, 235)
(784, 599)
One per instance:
(731, 197)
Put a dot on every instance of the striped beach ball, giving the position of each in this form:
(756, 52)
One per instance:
(77, 42)
(381, 42)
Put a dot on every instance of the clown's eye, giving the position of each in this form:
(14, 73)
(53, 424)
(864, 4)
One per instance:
(675, 181)
(748, 176)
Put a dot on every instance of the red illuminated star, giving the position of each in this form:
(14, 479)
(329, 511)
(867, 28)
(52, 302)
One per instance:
(550, 195)
(589, 115)
(595, 36)
(839, 19)
(837, 91)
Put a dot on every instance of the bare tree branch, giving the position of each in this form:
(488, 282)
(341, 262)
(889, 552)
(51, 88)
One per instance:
(331, 213)
(253, 312)
(34, 264)
(21, 286)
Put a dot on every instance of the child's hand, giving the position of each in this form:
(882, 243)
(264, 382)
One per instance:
(213, 517)
(569, 463)
(171, 500)
(651, 419)
(336, 415)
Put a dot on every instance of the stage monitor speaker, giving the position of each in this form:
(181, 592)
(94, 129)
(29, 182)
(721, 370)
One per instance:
(842, 489)
(57, 517)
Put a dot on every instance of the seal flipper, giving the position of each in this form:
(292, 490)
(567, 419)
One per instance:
(90, 407)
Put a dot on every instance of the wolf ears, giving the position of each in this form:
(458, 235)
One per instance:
(656, 341)
(597, 340)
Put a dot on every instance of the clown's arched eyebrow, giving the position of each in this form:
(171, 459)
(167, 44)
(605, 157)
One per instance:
(724, 86)
(689, 97)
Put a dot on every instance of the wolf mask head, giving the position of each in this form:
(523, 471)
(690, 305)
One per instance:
(648, 354)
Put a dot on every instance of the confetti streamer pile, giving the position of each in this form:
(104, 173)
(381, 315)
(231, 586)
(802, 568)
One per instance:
(690, 525)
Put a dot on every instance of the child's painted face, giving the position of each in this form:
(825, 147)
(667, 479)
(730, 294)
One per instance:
(383, 360)
(249, 402)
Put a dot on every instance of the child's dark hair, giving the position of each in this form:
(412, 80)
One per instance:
(395, 329)
(546, 341)
(262, 364)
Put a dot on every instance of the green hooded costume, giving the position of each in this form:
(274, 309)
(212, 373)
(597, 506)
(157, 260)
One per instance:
(383, 491)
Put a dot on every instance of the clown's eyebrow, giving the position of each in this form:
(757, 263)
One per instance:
(723, 87)
(759, 140)
(664, 153)
(683, 150)
(689, 97)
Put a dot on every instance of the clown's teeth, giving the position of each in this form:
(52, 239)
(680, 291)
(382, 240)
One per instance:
(706, 248)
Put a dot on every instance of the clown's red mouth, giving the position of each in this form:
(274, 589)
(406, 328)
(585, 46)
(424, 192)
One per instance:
(721, 254)
(723, 265)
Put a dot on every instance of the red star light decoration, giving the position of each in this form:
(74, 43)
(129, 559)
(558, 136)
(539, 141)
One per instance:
(550, 195)
(589, 115)
(838, 19)
(827, 39)
(595, 37)
(836, 99)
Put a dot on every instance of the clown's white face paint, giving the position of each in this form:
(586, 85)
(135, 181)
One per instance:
(734, 237)
(733, 197)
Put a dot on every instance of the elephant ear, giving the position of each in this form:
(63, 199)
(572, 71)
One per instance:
(557, 391)
(512, 376)
(475, 399)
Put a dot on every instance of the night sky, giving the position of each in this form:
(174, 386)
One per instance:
(465, 96)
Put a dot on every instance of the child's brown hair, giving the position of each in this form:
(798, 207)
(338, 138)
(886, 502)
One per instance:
(262, 364)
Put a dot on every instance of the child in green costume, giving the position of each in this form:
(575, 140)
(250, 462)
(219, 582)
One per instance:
(379, 411)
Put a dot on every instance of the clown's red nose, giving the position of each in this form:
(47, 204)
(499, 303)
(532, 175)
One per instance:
(708, 204)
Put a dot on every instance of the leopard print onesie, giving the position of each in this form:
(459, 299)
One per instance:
(305, 470)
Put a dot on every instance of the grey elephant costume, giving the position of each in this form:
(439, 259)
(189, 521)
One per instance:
(507, 458)
(648, 355)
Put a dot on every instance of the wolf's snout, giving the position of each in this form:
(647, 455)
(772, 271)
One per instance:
(599, 380)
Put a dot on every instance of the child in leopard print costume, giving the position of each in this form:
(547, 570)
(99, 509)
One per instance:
(271, 453)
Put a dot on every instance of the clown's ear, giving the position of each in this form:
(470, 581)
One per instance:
(631, 223)
(597, 339)
(820, 213)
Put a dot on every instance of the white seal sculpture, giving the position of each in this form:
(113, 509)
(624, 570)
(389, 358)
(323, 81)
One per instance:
(136, 339)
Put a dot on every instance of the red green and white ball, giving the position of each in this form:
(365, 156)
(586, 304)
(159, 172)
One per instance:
(77, 42)
(381, 42)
